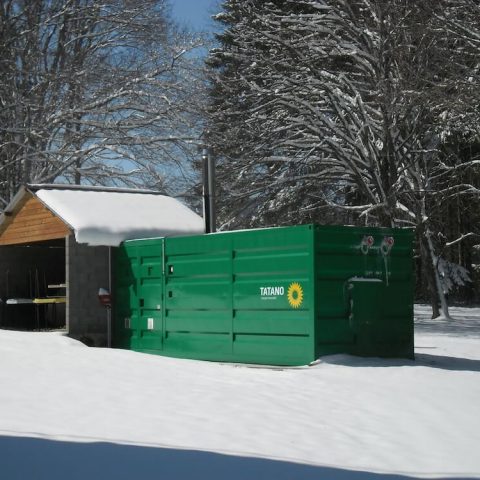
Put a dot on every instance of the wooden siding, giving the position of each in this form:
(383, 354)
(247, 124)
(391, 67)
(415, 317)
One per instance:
(31, 222)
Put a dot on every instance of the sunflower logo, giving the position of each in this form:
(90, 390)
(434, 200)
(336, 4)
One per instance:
(295, 295)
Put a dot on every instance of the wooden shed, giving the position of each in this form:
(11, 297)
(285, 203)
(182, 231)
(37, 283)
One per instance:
(55, 251)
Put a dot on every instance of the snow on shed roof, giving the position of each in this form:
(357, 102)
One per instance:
(108, 216)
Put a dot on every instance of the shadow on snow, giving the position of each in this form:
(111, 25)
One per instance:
(39, 459)
(465, 328)
(421, 360)
(465, 322)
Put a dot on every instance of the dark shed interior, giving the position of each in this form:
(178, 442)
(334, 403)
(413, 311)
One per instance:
(33, 285)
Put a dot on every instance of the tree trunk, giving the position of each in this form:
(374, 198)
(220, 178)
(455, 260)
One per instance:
(437, 295)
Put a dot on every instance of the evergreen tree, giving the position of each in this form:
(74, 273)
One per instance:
(268, 168)
(340, 103)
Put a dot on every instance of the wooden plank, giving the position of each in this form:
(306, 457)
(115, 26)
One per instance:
(36, 228)
(36, 218)
(30, 240)
(24, 238)
(33, 226)
(50, 224)
(8, 220)
(32, 222)
(33, 205)
(39, 213)
(37, 231)
(36, 222)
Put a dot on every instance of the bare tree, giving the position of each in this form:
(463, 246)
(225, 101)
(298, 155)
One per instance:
(94, 91)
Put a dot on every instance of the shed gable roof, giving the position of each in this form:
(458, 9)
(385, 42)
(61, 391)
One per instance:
(31, 221)
(106, 216)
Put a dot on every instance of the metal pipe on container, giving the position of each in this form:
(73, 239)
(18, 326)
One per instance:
(209, 213)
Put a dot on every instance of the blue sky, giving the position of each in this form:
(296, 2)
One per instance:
(195, 13)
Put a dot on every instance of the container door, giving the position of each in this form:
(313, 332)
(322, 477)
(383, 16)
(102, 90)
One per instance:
(150, 295)
(366, 314)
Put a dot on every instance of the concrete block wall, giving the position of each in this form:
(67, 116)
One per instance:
(87, 271)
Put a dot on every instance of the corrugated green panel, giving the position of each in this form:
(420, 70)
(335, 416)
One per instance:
(336, 331)
(272, 349)
(281, 296)
(273, 322)
(271, 262)
(130, 335)
(344, 256)
(238, 283)
(207, 295)
(150, 292)
(273, 296)
(138, 320)
(196, 277)
(198, 285)
(198, 266)
(199, 346)
(150, 295)
(125, 297)
(331, 296)
(201, 321)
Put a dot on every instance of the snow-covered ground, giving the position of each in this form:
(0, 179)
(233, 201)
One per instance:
(68, 411)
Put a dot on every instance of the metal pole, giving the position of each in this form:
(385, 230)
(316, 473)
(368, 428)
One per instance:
(109, 309)
(109, 327)
(206, 199)
(211, 190)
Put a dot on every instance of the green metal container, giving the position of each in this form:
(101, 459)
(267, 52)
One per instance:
(281, 296)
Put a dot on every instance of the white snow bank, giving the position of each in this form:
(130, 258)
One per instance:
(108, 218)
(345, 418)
